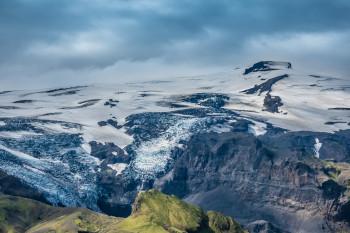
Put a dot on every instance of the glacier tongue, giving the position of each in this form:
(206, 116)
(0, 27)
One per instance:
(52, 162)
(153, 156)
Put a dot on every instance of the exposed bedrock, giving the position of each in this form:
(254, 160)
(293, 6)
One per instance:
(13, 186)
(272, 103)
(267, 66)
(265, 86)
(272, 178)
(261, 226)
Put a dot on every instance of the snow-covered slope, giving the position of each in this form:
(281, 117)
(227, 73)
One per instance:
(41, 130)
(310, 102)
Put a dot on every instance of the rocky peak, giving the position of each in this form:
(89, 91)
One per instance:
(268, 66)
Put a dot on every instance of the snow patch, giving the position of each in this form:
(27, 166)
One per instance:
(86, 147)
(17, 134)
(118, 167)
(107, 134)
(257, 128)
(2, 123)
(317, 148)
(19, 154)
(220, 128)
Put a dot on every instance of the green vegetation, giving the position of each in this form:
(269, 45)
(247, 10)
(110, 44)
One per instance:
(222, 224)
(339, 173)
(16, 214)
(331, 170)
(153, 212)
(79, 221)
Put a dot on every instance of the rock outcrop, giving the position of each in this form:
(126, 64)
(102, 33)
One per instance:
(275, 177)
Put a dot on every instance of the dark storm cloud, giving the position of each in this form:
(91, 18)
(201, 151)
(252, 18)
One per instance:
(40, 36)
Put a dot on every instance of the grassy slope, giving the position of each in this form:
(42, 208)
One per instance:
(17, 214)
(153, 212)
(25, 215)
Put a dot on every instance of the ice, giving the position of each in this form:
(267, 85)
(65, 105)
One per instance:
(153, 156)
(20, 154)
(17, 134)
(317, 148)
(86, 147)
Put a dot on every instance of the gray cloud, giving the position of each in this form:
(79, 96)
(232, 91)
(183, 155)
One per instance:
(77, 38)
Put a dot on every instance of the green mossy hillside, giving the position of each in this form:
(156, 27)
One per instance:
(153, 212)
(222, 224)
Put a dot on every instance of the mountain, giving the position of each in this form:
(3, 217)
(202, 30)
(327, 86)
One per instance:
(263, 144)
(153, 212)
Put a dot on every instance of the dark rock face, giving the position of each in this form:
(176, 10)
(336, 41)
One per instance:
(116, 194)
(266, 66)
(83, 104)
(272, 103)
(11, 185)
(23, 101)
(110, 122)
(344, 213)
(4, 92)
(108, 151)
(111, 103)
(273, 177)
(263, 227)
(265, 86)
(332, 190)
(60, 91)
(213, 100)
(336, 146)
(9, 107)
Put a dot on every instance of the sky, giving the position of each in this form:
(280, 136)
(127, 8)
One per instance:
(66, 42)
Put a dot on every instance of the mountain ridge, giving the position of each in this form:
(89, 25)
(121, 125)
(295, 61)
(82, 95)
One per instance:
(98, 146)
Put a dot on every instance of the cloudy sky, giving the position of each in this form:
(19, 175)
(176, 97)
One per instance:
(64, 42)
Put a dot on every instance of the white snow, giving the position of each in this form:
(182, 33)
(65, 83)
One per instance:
(107, 134)
(17, 134)
(258, 128)
(220, 128)
(306, 102)
(19, 154)
(118, 167)
(2, 123)
(317, 148)
(56, 127)
(86, 147)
